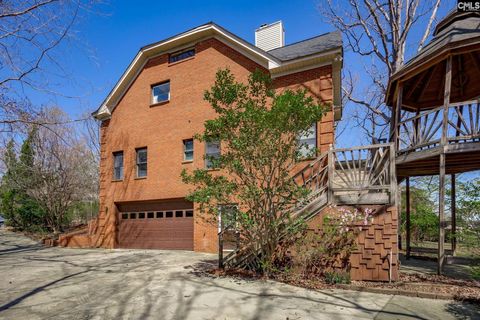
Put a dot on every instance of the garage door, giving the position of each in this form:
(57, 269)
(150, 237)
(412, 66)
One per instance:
(156, 225)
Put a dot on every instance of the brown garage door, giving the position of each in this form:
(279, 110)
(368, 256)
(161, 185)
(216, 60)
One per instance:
(156, 225)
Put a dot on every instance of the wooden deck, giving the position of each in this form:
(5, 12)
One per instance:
(459, 158)
(453, 131)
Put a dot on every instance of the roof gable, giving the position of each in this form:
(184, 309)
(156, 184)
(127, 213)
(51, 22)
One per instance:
(270, 60)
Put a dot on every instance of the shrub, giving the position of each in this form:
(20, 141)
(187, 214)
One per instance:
(475, 272)
(257, 130)
(332, 277)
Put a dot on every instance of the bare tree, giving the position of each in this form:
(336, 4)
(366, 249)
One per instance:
(31, 34)
(64, 170)
(382, 31)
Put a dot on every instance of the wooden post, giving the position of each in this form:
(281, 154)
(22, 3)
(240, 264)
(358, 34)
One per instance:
(454, 218)
(331, 172)
(220, 240)
(398, 205)
(396, 113)
(442, 169)
(441, 215)
(407, 211)
(393, 175)
(446, 100)
(418, 123)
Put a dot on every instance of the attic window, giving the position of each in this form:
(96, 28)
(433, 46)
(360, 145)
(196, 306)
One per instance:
(181, 55)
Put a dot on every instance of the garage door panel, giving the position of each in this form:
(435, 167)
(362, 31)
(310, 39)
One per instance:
(156, 231)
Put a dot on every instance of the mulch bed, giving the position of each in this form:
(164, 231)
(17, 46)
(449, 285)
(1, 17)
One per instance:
(416, 285)
(426, 286)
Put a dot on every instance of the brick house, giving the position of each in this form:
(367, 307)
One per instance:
(149, 118)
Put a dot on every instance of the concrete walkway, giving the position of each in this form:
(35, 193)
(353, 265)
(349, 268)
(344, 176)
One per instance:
(58, 283)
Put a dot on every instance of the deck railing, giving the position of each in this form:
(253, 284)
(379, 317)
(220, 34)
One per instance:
(362, 168)
(350, 176)
(457, 123)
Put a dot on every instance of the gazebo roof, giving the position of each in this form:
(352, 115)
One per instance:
(423, 76)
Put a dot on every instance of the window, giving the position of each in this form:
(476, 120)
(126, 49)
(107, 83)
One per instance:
(307, 143)
(188, 150)
(212, 152)
(178, 214)
(118, 165)
(161, 92)
(169, 214)
(141, 162)
(141, 215)
(180, 55)
(160, 214)
(150, 215)
(133, 215)
(189, 213)
(124, 215)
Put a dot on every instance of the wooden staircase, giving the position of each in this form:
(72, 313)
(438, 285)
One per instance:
(351, 176)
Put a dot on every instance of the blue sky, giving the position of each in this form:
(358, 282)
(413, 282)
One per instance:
(108, 40)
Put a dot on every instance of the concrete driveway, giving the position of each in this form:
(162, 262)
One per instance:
(58, 283)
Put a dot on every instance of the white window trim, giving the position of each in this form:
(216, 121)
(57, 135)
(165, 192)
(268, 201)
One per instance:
(115, 154)
(152, 100)
(185, 150)
(137, 163)
(206, 153)
(315, 125)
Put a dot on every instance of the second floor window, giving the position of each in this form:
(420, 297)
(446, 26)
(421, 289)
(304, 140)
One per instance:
(212, 152)
(161, 92)
(308, 142)
(141, 162)
(118, 165)
(188, 150)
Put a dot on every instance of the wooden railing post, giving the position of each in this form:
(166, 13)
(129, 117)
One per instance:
(407, 216)
(331, 170)
(446, 99)
(393, 175)
(396, 113)
(442, 171)
(220, 241)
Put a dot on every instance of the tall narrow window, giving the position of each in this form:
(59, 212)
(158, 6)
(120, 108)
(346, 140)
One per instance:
(161, 92)
(188, 150)
(118, 165)
(212, 152)
(307, 142)
(141, 162)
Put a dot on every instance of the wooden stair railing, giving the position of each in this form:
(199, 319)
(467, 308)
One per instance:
(358, 171)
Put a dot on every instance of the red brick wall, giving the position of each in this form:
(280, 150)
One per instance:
(375, 243)
(317, 82)
(135, 123)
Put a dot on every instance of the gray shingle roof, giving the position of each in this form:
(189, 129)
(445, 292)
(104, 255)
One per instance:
(455, 28)
(321, 43)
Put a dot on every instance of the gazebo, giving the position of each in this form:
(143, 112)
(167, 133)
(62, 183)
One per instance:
(435, 123)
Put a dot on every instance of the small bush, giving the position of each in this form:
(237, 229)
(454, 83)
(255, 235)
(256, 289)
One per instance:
(337, 277)
(475, 272)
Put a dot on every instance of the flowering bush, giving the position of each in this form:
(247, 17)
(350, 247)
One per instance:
(330, 249)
